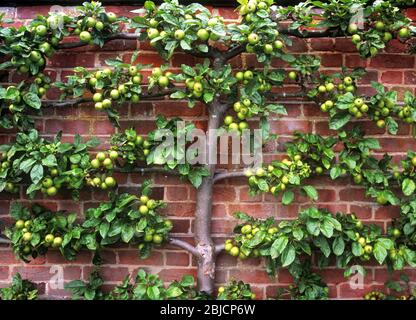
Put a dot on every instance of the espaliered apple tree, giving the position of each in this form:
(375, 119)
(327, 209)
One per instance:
(231, 99)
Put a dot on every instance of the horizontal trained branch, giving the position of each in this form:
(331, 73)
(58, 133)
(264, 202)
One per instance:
(184, 245)
(228, 174)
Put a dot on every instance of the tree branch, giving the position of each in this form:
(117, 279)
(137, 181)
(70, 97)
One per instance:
(4, 241)
(233, 52)
(219, 248)
(74, 102)
(212, 52)
(66, 103)
(147, 170)
(184, 245)
(227, 174)
(333, 33)
(115, 36)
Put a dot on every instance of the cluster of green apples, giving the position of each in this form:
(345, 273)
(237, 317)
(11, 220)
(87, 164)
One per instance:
(195, 86)
(103, 99)
(157, 233)
(255, 43)
(384, 108)
(161, 78)
(18, 103)
(102, 165)
(247, 232)
(156, 29)
(406, 113)
(236, 290)
(330, 92)
(386, 31)
(27, 234)
(252, 6)
(91, 24)
(44, 41)
(4, 166)
(130, 146)
(277, 174)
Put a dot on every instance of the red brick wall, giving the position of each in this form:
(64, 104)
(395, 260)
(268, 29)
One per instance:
(394, 68)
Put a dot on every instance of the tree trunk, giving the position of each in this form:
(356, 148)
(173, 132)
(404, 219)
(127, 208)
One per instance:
(203, 239)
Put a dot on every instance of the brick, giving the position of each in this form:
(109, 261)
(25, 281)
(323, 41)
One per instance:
(352, 195)
(177, 259)
(409, 77)
(224, 194)
(331, 60)
(289, 127)
(394, 77)
(254, 276)
(362, 212)
(387, 212)
(256, 210)
(176, 274)
(4, 272)
(65, 60)
(344, 45)
(392, 61)
(355, 61)
(67, 126)
(322, 44)
(131, 257)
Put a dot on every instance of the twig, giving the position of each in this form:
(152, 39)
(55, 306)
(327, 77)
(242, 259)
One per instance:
(184, 245)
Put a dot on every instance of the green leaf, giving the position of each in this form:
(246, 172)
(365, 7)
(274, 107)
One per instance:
(339, 120)
(11, 93)
(288, 197)
(278, 246)
(36, 174)
(311, 192)
(380, 253)
(153, 293)
(104, 227)
(49, 161)
(408, 186)
(127, 233)
(288, 256)
(338, 246)
(178, 95)
(173, 292)
(32, 100)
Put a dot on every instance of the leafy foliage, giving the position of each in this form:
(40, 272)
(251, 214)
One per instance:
(372, 26)
(38, 229)
(126, 219)
(236, 290)
(145, 287)
(18, 103)
(119, 85)
(165, 146)
(47, 165)
(343, 237)
(30, 45)
(20, 289)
